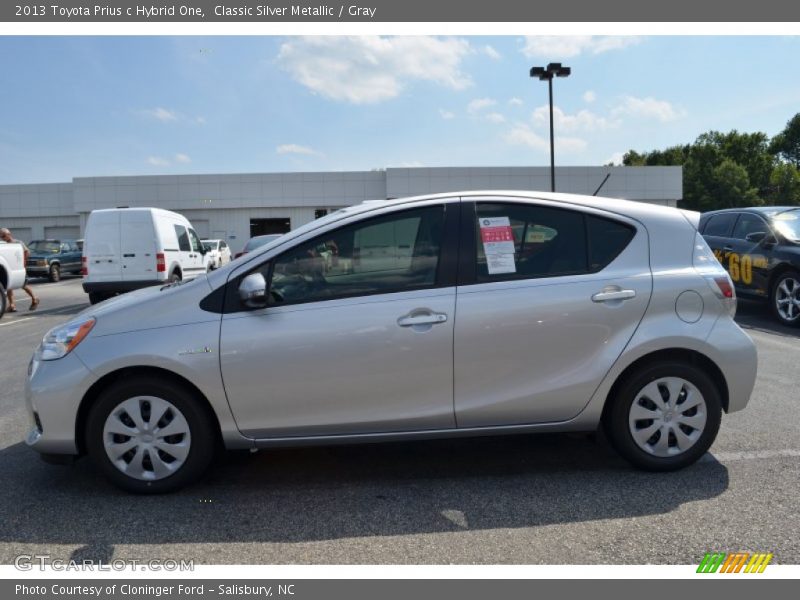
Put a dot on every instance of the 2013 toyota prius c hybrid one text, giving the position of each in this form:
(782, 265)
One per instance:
(461, 314)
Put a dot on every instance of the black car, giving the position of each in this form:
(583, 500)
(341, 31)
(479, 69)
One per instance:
(760, 248)
(51, 258)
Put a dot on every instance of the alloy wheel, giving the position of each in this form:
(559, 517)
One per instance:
(787, 299)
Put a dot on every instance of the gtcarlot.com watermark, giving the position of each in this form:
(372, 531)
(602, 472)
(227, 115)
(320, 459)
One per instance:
(45, 562)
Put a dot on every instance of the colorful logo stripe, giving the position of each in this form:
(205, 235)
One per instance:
(734, 563)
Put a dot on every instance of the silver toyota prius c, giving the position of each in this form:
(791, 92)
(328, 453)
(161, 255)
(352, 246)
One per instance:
(463, 314)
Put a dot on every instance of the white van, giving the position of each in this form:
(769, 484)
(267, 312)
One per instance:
(130, 248)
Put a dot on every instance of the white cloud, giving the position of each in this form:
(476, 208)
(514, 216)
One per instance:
(491, 52)
(200, 120)
(370, 69)
(589, 96)
(515, 101)
(495, 118)
(446, 114)
(557, 47)
(161, 114)
(296, 149)
(479, 104)
(522, 135)
(614, 159)
(157, 161)
(182, 158)
(648, 108)
(583, 120)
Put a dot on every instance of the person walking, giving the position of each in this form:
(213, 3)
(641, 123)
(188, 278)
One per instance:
(5, 235)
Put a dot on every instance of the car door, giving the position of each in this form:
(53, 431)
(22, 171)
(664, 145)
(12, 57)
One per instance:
(73, 258)
(549, 299)
(358, 335)
(747, 254)
(185, 252)
(197, 256)
(717, 231)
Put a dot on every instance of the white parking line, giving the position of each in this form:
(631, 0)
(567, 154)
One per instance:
(22, 320)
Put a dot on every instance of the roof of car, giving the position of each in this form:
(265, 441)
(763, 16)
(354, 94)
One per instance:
(767, 211)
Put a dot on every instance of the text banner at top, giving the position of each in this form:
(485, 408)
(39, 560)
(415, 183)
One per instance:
(385, 11)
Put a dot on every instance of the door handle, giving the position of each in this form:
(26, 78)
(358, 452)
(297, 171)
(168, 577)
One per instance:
(613, 295)
(728, 248)
(422, 319)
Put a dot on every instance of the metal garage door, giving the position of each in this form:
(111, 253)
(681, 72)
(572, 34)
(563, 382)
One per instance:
(62, 233)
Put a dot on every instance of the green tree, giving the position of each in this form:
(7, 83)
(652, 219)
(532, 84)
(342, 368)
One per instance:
(730, 186)
(787, 143)
(784, 184)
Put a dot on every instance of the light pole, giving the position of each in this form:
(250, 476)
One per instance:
(547, 74)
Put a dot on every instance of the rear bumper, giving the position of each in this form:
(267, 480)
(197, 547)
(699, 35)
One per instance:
(736, 356)
(118, 287)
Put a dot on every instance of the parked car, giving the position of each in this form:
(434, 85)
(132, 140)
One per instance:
(12, 271)
(53, 258)
(257, 242)
(760, 248)
(445, 315)
(130, 248)
(219, 254)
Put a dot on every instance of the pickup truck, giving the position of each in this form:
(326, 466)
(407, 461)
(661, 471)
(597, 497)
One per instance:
(12, 271)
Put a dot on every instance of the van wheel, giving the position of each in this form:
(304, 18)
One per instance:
(150, 436)
(96, 297)
(3, 300)
(785, 297)
(175, 277)
(55, 273)
(664, 417)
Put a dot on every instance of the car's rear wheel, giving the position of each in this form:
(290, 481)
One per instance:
(664, 417)
(175, 277)
(55, 273)
(150, 436)
(785, 298)
(3, 300)
(97, 297)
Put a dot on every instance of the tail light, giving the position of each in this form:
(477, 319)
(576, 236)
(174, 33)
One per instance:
(84, 266)
(161, 263)
(238, 254)
(707, 265)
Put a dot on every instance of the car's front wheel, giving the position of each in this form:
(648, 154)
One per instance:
(785, 298)
(150, 435)
(664, 417)
(55, 273)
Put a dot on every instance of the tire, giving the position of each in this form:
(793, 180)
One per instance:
(97, 297)
(784, 298)
(694, 427)
(175, 277)
(146, 468)
(3, 300)
(55, 273)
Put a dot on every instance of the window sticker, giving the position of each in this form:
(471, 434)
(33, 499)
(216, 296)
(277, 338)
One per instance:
(498, 244)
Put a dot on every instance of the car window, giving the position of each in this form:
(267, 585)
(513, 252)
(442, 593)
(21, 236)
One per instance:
(392, 253)
(523, 241)
(607, 239)
(748, 224)
(720, 225)
(788, 223)
(197, 245)
(223, 246)
(183, 239)
(43, 247)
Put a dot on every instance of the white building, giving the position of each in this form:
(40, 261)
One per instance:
(234, 207)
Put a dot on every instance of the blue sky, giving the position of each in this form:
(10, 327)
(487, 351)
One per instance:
(96, 106)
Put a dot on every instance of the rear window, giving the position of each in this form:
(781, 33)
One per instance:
(607, 239)
(720, 225)
(183, 239)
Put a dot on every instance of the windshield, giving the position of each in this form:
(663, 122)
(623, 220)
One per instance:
(209, 246)
(788, 224)
(45, 247)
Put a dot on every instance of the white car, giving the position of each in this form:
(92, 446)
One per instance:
(12, 271)
(218, 253)
(130, 248)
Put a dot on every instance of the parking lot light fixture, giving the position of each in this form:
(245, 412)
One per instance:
(547, 74)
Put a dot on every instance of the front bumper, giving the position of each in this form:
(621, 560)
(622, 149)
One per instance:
(53, 393)
(37, 271)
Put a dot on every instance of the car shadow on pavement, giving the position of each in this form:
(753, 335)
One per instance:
(314, 494)
(751, 314)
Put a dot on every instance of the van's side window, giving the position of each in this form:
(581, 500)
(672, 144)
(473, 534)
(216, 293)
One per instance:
(183, 239)
(197, 245)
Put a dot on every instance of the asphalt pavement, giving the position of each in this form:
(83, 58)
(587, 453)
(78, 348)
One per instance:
(526, 499)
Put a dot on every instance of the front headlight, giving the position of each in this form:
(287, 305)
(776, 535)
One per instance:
(59, 342)
(41, 263)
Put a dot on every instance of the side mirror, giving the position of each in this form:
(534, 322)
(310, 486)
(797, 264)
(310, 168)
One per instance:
(756, 237)
(253, 291)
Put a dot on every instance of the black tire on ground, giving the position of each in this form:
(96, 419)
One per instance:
(3, 300)
(55, 273)
(175, 277)
(97, 297)
(615, 420)
(773, 306)
(204, 439)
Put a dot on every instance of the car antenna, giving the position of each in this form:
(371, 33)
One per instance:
(602, 183)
